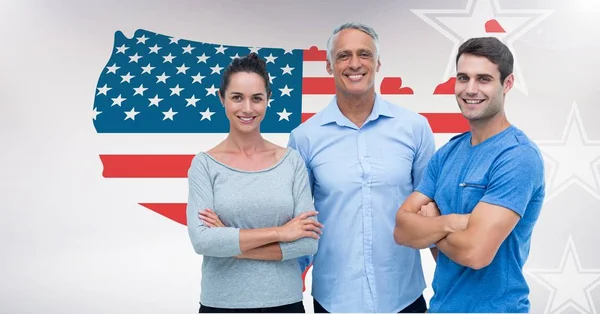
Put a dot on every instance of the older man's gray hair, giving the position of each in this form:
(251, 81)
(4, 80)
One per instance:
(358, 26)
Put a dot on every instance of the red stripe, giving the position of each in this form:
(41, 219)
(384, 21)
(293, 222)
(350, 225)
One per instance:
(393, 86)
(446, 88)
(318, 86)
(173, 211)
(492, 26)
(304, 277)
(146, 166)
(306, 116)
(447, 122)
(314, 54)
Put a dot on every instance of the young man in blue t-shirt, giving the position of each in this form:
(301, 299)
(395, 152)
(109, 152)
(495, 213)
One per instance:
(488, 184)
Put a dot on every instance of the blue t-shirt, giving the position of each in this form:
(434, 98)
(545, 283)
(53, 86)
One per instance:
(505, 170)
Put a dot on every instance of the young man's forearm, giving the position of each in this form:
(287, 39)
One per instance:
(461, 247)
(419, 232)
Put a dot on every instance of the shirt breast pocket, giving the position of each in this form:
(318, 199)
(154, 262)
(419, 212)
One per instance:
(471, 194)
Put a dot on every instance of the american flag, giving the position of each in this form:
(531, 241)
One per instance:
(156, 105)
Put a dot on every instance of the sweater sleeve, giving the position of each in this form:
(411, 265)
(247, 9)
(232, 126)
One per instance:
(303, 202)
(217, 242)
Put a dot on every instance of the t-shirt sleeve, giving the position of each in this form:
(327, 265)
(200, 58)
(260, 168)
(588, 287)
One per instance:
(515, 178)
(217, 242)
(297, 145)
(303, 202)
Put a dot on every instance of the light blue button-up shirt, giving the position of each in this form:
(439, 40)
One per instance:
(359, 178)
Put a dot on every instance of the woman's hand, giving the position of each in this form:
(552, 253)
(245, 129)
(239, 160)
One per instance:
(300, 227)
(210, 218)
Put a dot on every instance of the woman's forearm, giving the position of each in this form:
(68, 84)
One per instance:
(254, 238)
(269, 252)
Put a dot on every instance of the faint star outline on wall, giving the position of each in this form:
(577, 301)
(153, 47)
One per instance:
(457, 26)
(570, 284)
(572, 160)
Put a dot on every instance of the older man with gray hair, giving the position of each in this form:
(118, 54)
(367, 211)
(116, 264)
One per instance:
(364, 157)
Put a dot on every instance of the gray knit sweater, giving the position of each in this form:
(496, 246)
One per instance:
(248, 200)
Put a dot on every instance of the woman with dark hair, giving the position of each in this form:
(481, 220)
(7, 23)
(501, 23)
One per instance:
(250, 211)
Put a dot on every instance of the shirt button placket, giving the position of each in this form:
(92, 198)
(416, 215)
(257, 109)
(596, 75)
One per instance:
(370, 297)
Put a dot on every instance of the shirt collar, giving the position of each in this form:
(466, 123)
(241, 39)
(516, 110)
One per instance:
(332, 112)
